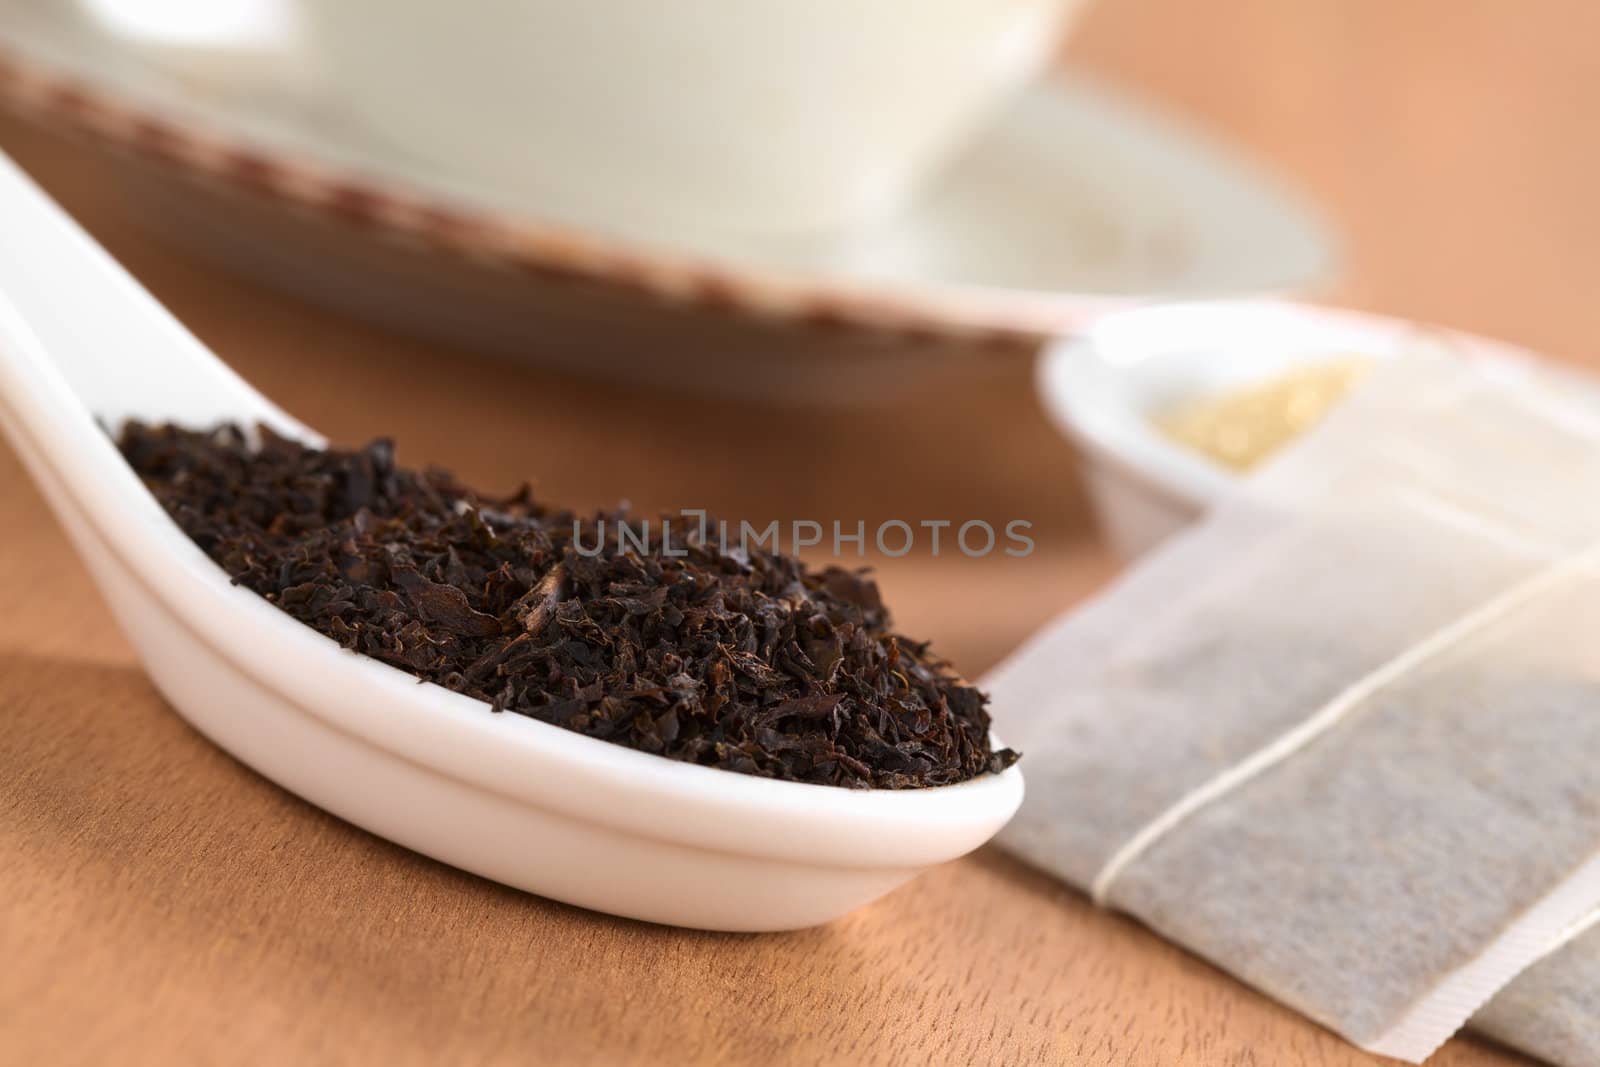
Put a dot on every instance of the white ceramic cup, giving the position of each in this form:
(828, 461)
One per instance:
(755, 115)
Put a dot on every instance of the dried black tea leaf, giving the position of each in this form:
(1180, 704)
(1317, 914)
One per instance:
(743, 661)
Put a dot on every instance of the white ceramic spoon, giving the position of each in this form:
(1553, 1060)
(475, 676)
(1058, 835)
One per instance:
(505, 796)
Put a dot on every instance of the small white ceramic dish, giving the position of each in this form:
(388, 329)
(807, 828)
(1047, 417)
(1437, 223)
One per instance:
(1073, 200)
(1102, 390)
(505, 796)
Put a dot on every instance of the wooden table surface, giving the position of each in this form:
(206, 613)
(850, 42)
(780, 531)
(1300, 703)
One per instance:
(159, 903)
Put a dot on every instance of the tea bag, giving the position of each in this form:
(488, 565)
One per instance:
(1551, 1009)
(1341, 737)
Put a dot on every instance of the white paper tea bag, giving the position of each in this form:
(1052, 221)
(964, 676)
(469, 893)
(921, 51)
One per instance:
(1343, 738)
(1550, 1010)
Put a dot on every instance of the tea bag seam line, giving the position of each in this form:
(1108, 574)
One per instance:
(1575, 931)
(1307, 731)
(1459, 513)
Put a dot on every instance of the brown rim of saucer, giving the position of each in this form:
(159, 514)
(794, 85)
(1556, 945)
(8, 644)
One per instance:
(999, 319)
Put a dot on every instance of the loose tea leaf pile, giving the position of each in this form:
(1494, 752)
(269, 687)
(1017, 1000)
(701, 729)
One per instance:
(741, 660)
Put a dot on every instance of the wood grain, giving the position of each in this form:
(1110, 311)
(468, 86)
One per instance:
(159, 903)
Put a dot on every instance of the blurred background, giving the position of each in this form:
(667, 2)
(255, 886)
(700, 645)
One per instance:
(1431, 159)
(1448, 148)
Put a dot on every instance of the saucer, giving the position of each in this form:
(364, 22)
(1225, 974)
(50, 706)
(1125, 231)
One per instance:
(1074, 202)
